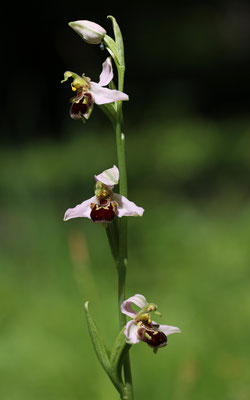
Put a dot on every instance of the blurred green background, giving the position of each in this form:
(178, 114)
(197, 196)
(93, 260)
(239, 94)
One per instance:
(188, 160)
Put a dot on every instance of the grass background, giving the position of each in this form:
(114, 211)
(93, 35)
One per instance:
(189, 254)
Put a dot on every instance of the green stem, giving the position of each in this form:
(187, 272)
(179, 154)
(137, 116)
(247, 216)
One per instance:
(122, 261)
(121, 268)
(120, 138)
(112, 235)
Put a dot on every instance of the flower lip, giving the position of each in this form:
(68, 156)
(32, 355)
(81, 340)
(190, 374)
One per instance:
(104, 212)
(82, 105)
(152, 336)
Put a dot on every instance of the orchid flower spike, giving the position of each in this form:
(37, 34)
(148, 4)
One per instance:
(89, 92)
(105, 204)
(142, 327)
(89, 31)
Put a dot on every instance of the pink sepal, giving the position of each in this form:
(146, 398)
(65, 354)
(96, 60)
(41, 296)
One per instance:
(81, 210)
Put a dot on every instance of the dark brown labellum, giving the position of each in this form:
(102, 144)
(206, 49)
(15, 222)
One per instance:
(152, 336)
(102, 213)
(79, 105)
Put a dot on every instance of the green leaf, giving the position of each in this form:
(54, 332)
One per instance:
(118, 348)
(118, 40)
(102, 353)
(98, 344)
(118, 352)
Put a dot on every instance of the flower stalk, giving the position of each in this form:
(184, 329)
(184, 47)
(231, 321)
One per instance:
(121, 262)
(122, 258)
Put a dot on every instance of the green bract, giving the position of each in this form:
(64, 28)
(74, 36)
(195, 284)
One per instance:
(111, 362)
(115, 47)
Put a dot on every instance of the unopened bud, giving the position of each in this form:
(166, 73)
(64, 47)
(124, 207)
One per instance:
(89, 31)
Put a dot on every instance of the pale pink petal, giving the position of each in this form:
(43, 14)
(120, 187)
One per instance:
(138, 299)
(107, 73)
(109, 177)
(168, 329)
(82, 210)
(131, 332)
(104, 95)
(127, 208)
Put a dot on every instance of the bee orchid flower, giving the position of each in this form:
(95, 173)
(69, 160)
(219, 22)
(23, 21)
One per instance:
(105, 204)
(141, 327)
(89, 92)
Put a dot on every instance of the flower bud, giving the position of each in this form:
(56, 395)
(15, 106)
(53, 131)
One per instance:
(90, 32)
